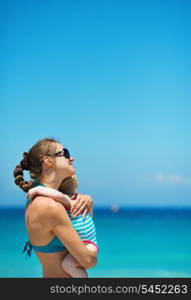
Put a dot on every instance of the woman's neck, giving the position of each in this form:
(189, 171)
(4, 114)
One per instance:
(52, 185)
(51, 182)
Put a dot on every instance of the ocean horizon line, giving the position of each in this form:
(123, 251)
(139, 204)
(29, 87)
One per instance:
(115, 207)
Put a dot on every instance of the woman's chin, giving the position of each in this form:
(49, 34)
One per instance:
(72, 171)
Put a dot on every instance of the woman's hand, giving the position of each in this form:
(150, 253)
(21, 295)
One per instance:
(81, 204)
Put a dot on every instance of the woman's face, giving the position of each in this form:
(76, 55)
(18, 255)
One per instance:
(62, 165)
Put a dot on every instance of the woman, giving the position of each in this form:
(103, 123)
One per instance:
(48, 224)
(83, 223)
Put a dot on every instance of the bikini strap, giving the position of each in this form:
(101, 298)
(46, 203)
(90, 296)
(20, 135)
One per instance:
(28, 249)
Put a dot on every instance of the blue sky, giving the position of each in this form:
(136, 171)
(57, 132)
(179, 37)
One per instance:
(111, 81)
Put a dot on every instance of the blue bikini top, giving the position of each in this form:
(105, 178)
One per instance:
(55, 245)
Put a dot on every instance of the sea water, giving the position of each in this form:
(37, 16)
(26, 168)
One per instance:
(133, 242)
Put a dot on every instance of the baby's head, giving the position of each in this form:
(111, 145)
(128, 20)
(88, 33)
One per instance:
(69, 185)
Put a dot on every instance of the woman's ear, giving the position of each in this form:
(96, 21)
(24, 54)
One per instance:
(48, 161)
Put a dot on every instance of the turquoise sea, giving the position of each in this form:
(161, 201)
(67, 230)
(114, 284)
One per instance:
(133, 242)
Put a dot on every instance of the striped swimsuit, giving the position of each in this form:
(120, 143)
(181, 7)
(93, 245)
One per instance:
(84, 227)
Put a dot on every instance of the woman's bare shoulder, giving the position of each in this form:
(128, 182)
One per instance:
(45, 206)
(51, 212)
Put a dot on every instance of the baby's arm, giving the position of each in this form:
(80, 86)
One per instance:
(49, 192)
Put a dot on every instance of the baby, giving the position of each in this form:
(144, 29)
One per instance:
(83, 223)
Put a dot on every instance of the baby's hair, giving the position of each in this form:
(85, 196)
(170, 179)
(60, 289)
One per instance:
(32, 162)
(69, 185)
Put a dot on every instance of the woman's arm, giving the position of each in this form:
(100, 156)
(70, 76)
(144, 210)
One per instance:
(55, 217)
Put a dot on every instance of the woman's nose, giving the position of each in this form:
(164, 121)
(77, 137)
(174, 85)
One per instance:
(71, 159)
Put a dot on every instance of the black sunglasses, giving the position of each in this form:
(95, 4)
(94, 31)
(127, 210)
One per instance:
(64, 153)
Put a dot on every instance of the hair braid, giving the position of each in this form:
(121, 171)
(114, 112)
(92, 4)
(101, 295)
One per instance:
(19, 179)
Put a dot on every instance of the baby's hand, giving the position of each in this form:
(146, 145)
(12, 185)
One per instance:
(33, 192)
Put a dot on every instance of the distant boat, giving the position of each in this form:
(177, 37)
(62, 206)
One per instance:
(114, 208)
